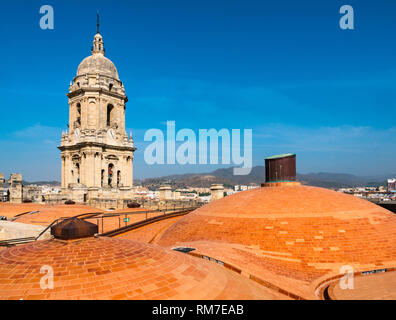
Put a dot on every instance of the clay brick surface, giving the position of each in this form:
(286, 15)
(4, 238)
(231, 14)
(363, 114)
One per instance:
(50, 213)
(292, 236)
(381, 286)
(10, 209)
(108, 268)
(47, 213)
(149, 233)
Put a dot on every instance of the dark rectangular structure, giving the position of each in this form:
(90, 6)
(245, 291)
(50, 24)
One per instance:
(280, 168)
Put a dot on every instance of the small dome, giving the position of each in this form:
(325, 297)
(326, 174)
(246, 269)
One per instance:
(74, 228)
(107, 268)
(97, 63)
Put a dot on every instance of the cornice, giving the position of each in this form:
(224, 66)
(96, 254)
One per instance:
(95, 144)
(82, 90)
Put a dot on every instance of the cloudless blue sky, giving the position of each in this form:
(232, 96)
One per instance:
(282, 68)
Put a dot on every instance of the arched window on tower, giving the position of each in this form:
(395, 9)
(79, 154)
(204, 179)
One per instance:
(78, 114)
(110, 174)
(118, 178)
(109, 119)
(102, 178)
(78, 172)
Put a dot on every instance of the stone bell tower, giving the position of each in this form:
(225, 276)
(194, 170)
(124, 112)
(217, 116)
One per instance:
(96, 152)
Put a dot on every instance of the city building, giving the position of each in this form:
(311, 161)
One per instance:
(32, 193)
(391, 185)
(15, 189)
(3, 190)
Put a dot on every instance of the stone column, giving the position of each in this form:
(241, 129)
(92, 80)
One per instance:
(63, 171)
(127, 179)
(106, 174)
(83, 161)
(92, 114)
(93, 193)
(131, 170)
(165, 193)
(217, 191)
(72, 114)
(84, 114)
(88, 169)
(15, 188)
(67, 171)
(125, 193)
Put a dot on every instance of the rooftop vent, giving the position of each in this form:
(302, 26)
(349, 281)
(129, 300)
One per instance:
(184, 249)
(74, 228)
(280, 168)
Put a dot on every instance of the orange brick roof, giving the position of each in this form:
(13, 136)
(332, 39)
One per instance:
(293, 236)
(10, 209)
(107, 268)
(149, 233)
(46, 214)
(112, 223)
(380, 286)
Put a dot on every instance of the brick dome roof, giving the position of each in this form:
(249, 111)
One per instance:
(295, 236)
(106, 268)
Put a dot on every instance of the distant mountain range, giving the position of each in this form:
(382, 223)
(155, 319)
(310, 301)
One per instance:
(257, 176)
(42, 183)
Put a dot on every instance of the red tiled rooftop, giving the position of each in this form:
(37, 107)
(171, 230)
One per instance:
(149, 233)
(114, 222)
(293, 236)
(108, 268)
(50, 213)
(10, 209)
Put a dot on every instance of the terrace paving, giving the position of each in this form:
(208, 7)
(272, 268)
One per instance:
(380, 286)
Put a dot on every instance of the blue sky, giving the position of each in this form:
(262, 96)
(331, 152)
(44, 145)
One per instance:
(284, 69)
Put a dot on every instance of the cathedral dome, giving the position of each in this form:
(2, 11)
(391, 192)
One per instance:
(295, 235)
(107, 268)
(97, 63)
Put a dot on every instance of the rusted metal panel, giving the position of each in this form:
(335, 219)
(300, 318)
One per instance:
(280, 168)
(74, 228)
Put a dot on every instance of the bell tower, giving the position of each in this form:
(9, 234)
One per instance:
(96, 152)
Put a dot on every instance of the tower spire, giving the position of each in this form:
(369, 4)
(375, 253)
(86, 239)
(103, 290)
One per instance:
(97, 21)
(98, 46)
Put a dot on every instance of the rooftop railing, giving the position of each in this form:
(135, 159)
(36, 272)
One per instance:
(110, 224)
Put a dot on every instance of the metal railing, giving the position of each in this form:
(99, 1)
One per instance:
(144, 222)
(22, 214)
(14, 242)
(102, 217)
